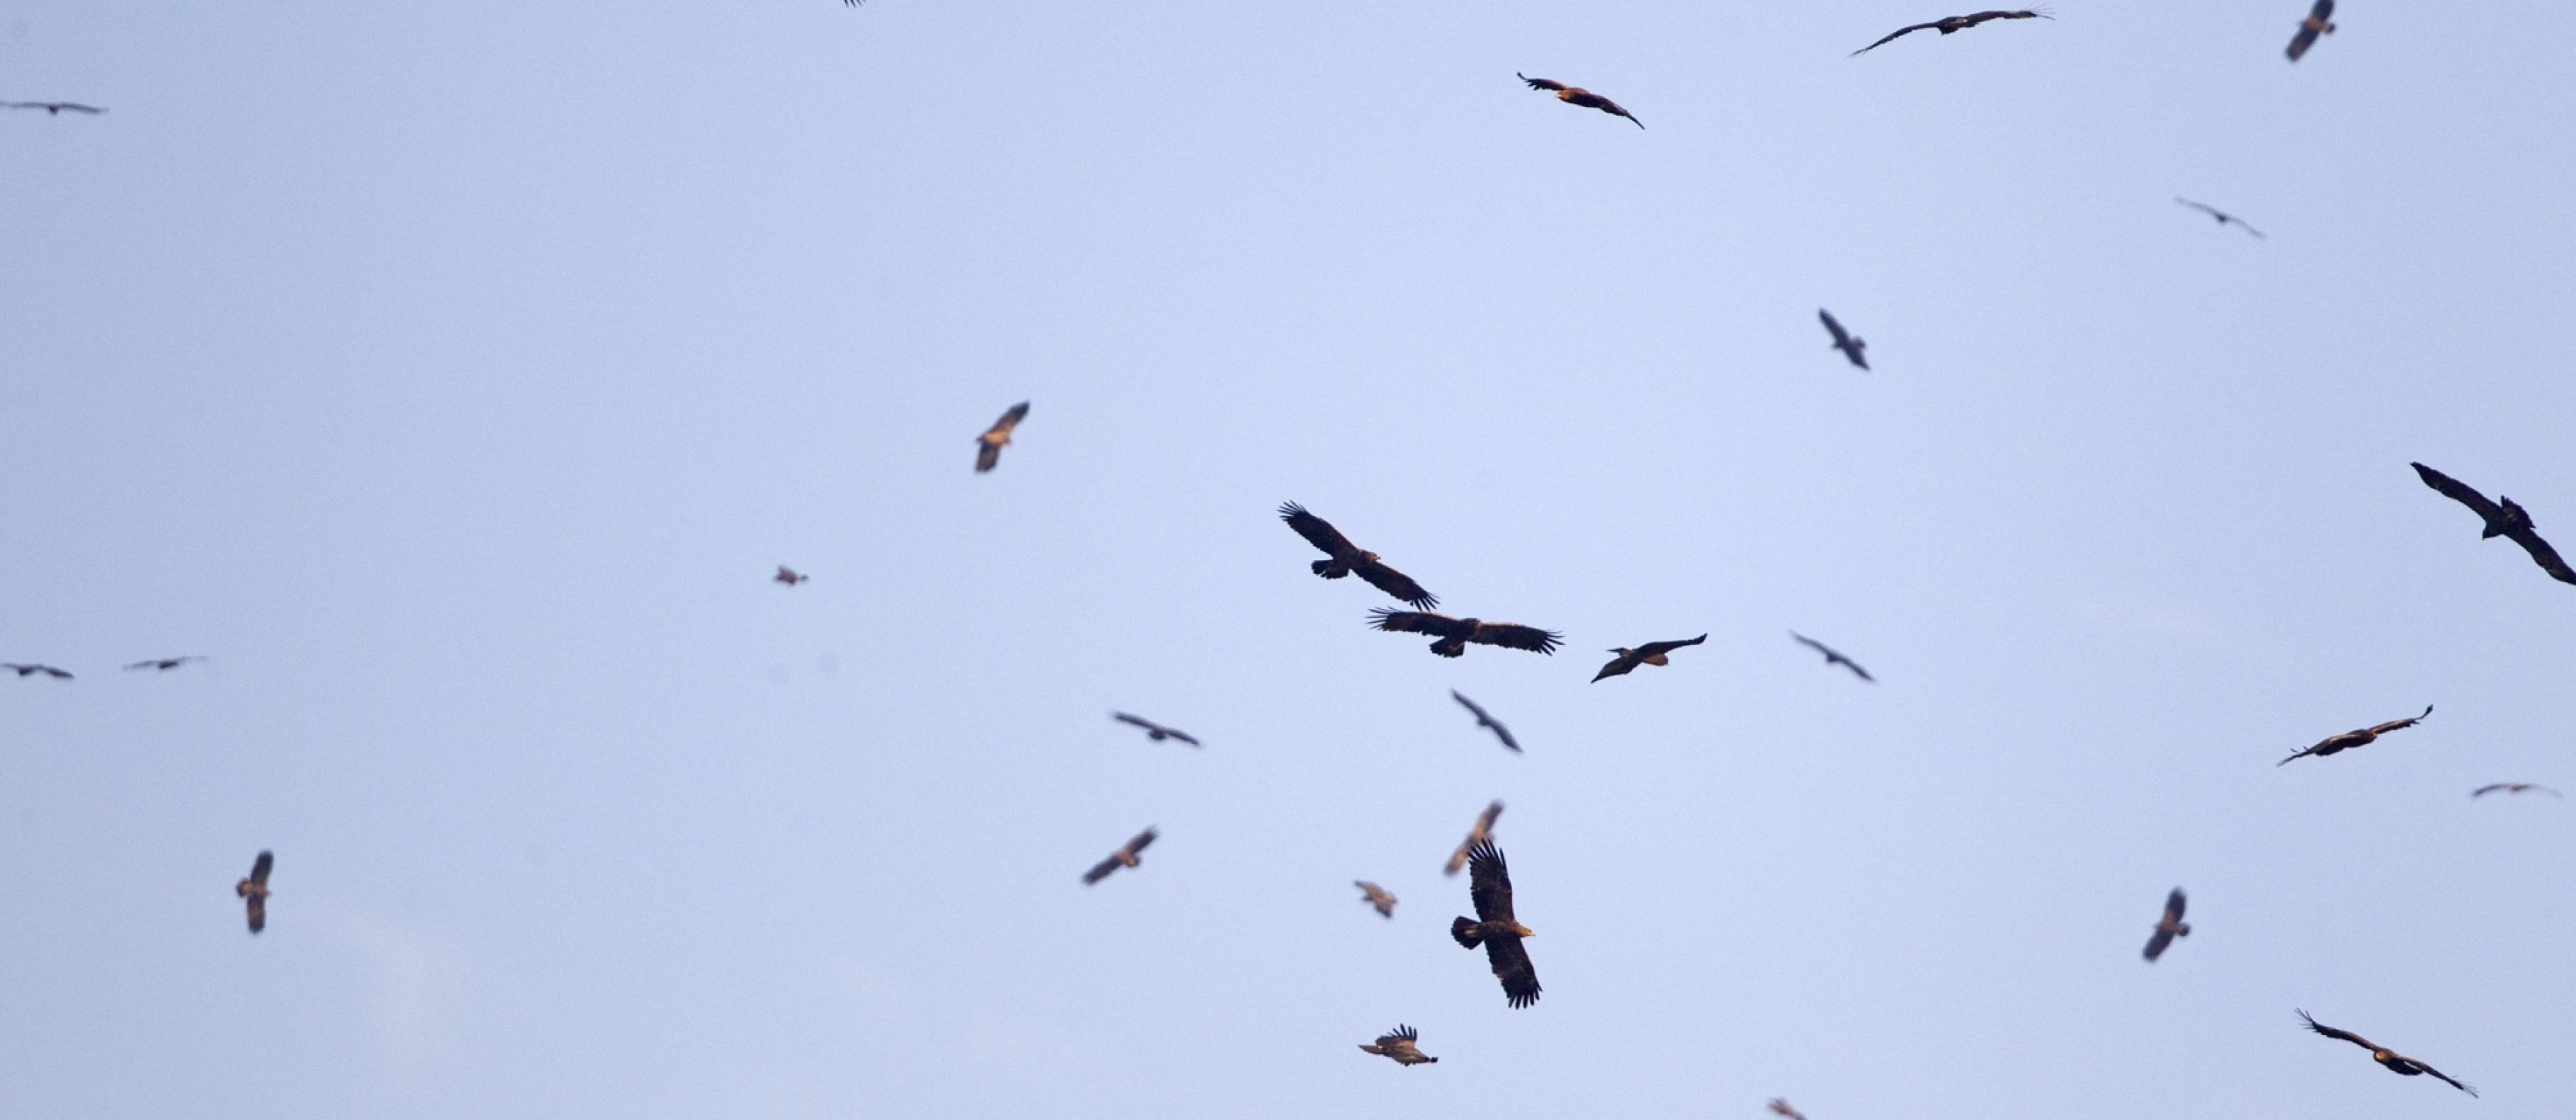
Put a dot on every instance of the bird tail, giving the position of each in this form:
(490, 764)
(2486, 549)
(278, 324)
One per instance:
(1467, 932)
(2183, 930)
(1330, 569)
(1450, 647)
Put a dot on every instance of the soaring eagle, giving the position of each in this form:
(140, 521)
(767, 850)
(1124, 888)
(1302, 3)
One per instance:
(2316, 24)
(2513, 787)
(1651, 653)
(1850, 344)
(1948, 24)
(1577, 95)
(1398, 1045)
(1123, 857)
(1455, 633)
(57, 674)
(2395, 1062)
(254, 891)
(2168, 927)
(1783, 1108)
(2224, 218)
(2357, 738)
(2503, 518)
(1482, 833)
(1483, 720)
(988, 447)
(1348, 558)
(790, 576)
(165, 664)
(52, 108)
(1489, 886)
(1832, 658)
(1154, 731)
(1376, 896)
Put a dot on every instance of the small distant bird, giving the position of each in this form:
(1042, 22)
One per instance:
(1651, 653)
(52, 108)
(48, 670)
(2359, 738)
(2503, 519)
(1154, 731)
(1399, 1046)
(1489, 886)
(1850, 344)
(1949, 24)
(1482, 720)
(2224, 218)
(2168, 927)
(790, 576)
(254, 891)
(1577, 95)
(1347, 558)
(988, 447)
(2316, 24)
(1483, 832)
(1376, 896)
(1782, 1107)
(2513, 787)
(2383, 1055)
(1455, 633)
(1832, 658)
(1123, 857)
(165, 664)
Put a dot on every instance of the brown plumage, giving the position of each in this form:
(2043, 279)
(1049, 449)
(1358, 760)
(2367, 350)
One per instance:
(790, 576)
(1577, 95)
(165, 664)
(2513, 787)
(1850, 344)
(1949, 24)
(2168, 927)
(1347, 558)
(2395, 1062)
(254, 891)
(1455, 633)
(1123, 857)
(1483, 720)
(2503, 519)
(1489, 886)
(1483, 832)
(2223, 217)
(53, 108)
(2357, 738)
(1651, 653)
(2317, 23)
(32, 670)
(1154, 731)
(988, 447)
(1376, 896)
(1782, 1107)
(1398, 1044)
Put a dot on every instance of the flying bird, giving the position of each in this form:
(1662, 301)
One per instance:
(1399, 1046)
(1376, 896)
(1948, 24)
(52, 108)
(2168, 927)
(1482, 833)
(2224, 218)
(1782, 1107)
(57, 674)
(2513, 787)
(1577, 95)
(1123, 857)
(2316, 24)
(2503, 519)
(1347, 558)
(1154, 731)
(165, 664)
(988, 447)
(790, 576)
(2357, 738)
(254, 891)
(1483, 720)
(1489, 886)
(1832, 658)
(1651, 653)
(2395, 1062)
(1455, 633)
(1850, 344)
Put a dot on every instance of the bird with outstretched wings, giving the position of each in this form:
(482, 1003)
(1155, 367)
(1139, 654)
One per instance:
(1850, 344)
(1482, 833)
(2223, 217)
(32, 670)
(1347, 558)
(2168, 927)
(1487, 721)
(1123, 857)
(1783, 1108)
(2318, 22)
(254, 891)
(1489, 887)
(1376, 896)
(2513, 787)
(1651, 653)
(2358, 737)
(1949, 24)
(1833, 658)
(1399, 1045)
(790, 576)
(988, 447)
(2395, 1062)
(1577, 95)
(1455, 633)
(2504, 518)
(53, 108)
(165, 664)
(1154, 731)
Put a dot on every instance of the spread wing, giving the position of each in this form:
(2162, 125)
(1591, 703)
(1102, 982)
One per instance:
(1484, 830)
(1513, 635)
(1834, 327)
(1100, 870)
(1136, 845)
(259, 868)
(1782, 1107)
(1484, 720)
(2156, 945)
(2173, 905)
(2399, 724)
(2458, 491)
(2482, 791)
(1401, 1034)
(1512, 966)
(1652, 648)
(987, 454)
(2310, 28)
(1319, 532)
(2331, 1032)
(1619, 666)
(1489, 883)
(2454, 1082)
(1010, 419)
(1416, 622)
(2543, 555)
(1395, 583)
(1899, 33)
(256, 909)
(1538, 83)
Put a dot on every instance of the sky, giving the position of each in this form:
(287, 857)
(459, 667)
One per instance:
(453, 377)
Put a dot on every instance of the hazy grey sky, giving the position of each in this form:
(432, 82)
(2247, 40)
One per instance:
(454, 375)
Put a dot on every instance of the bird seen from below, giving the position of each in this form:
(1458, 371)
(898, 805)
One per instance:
(1489, 887)
(32, 670)
(2223, 217)
(2357, 738)
(1949, 24)
(988, 447)
(165, 664)
(1376, 896)
(1347, 558)
(2168, 927)
(1651, 653)
(2513, 787)
(1123, 857)
(1455, 633)
(1850, 344)
(1486, 721)
(1482, 833)
(2503, 519)
(1577, 95)
(790, 576)
(1783, 1108)
(1832, 658)
(1154, 731)
(1398, 1044)
(2395, 1062)
(53, 108)
(254, 891)
(2317, 23)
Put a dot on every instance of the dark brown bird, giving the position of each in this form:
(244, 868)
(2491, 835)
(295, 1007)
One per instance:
(1398, 1045)
(2513, 787)
(2168, 927)
(2395, 1062)
(790, 576)
(988, 447)
(52, 108)
(1376, 896)
(1949, 24)
(2224, 218)
(1850, 344)
(1489, 886)
(1577, 95)
(1782, 1107)
(1482, 833)
(1347, 558)
(1483, 720)
(165, 664)
(1154, 731)
(1651, 653)
(254, 891)
(1455, 633)
(57, 674)
(2357, 738)
(1832, 658)
(1123, 857)
(2503, 519)
(2316, 24)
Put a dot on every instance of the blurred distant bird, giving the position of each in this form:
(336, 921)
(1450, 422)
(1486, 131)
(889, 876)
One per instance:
(790, 576)
(1399, 1046)
(1577, 95)
(1651, 653)
(988, 447)
(1851, 345)
(1483, 832)
(2224, 218)
(52, 108)
(2316, 24)
(1489, 886)
(1154, 731)
(1948, 24)
(1482, 720)
(2168, 927)
(2383, 1055)
(1832, 658)
(1123, 857)
(1348, 558)
(2513, 787)
(165, 664)
(2503, 519)
(1782, 1107)
(1455, 633)
(2363, 737)
(254, 891)
(31, 670)
(1376, 896)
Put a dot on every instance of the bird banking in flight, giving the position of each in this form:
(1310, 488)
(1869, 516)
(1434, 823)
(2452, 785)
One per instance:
(1577, 95)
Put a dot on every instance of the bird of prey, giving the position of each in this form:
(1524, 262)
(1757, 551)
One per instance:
(2503, 519)
(1833, 658)
(1577, 95)
(1850, 344)
(1154, 731)
(1948, 24)
(1782, 1107)
(57, 674)
(1376, 896)
(165, 664)
(1483, 720)
(254, 891)
(1651, 653)
(52, 108)
(2316, 24)
(790, 576)
(2395, 1062)
(1482, 833)
(1455, 633)
(2168, 927)
(1347, 558)
(2513, 787)
(2357, 738)
(1123, 857)
(1399, 1046)
(2223, 216)
(988, 447)
(1489, 886)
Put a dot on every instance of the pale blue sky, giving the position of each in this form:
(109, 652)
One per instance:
(454, 376)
